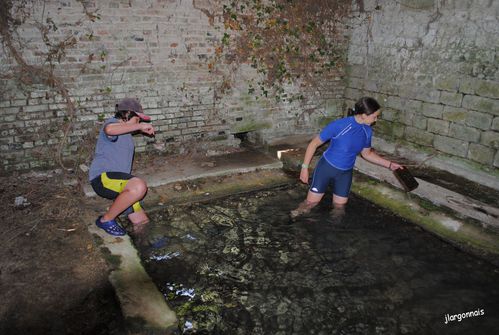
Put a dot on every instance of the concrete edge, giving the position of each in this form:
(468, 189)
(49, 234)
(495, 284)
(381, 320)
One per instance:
(143, 306)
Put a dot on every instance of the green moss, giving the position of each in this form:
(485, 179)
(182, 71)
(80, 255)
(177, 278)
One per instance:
(98, 240)
(113, 260)
(206, 308)
(183, 309)
(252, 126)
(428, 205)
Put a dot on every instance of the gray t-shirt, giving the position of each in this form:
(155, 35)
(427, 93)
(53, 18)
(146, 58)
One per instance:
(112, 153)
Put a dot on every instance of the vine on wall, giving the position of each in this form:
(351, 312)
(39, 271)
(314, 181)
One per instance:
(286, 41)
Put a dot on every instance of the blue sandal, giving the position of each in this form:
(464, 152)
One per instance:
(111, 227)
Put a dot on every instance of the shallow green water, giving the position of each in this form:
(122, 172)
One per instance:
(241, 266)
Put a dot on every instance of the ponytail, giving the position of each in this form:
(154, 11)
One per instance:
(365, 105)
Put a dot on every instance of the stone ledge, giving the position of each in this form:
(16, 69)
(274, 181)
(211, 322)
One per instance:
(451, 165)
(144, 307)
(174, 171)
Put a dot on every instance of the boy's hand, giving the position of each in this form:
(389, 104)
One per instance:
(146, 128)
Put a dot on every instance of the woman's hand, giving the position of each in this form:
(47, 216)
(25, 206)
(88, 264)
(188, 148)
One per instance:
(394, 166)
(304, 175)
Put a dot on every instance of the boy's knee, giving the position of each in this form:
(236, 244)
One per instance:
(138, 187)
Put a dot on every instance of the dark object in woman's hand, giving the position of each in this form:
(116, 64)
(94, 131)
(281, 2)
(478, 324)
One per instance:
(406, 179)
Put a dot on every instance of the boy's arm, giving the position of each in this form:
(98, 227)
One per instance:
(120, 128)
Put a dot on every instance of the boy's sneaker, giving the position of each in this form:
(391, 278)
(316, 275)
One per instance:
(111, 227)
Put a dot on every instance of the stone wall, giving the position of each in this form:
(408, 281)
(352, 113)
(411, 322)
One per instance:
(67, 62)
(433, 65)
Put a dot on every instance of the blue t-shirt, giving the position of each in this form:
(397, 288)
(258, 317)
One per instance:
(348, 138)
(112, 153)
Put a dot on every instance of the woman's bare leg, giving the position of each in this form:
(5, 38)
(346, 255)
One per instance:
(339, 203)
(305, 206)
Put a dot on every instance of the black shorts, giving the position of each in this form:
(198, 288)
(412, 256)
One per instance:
(110, 184)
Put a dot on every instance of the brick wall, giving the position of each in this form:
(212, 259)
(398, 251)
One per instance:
(434, 67)
(162, 52)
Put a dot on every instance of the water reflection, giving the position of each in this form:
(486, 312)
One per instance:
(242, 266)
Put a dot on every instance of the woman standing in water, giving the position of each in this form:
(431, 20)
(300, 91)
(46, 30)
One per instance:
(348, 137)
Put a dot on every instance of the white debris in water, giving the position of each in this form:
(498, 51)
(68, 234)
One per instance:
(167, 256)
(188, 325)
(190, 237)
(186, 292)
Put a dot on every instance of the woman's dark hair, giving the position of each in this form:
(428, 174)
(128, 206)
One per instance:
(365, 105)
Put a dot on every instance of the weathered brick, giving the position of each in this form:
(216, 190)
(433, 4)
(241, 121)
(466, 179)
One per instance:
(479, 120)
(413, 106)
(27, 145)
(464, 133)
(490, 139)
(358, 71)
(447, 82)
(440, 127)
(496, 159)
(428, 95)
(419, 136)
(487, 88)
(481, 104)
(451, 99)
(454, 114)
(394, 102)
(420, 121)
(432, 110)
(406, 117)
(356, 83)
(451, 145)
(495, 124)
(389, 114)
(481, 154)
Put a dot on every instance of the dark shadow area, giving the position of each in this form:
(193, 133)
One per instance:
(97, 313)
(53, 278)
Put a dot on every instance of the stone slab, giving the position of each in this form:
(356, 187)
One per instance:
(144, 307)
(177, 171)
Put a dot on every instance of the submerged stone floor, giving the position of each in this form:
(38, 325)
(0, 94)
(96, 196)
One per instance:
(179, 182)
(240, 265)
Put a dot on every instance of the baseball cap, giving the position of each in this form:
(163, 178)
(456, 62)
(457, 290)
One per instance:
(131, 104)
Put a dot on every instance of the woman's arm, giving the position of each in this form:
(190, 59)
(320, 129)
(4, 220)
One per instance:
(120, 128)
(369, 155)
(309, 154)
